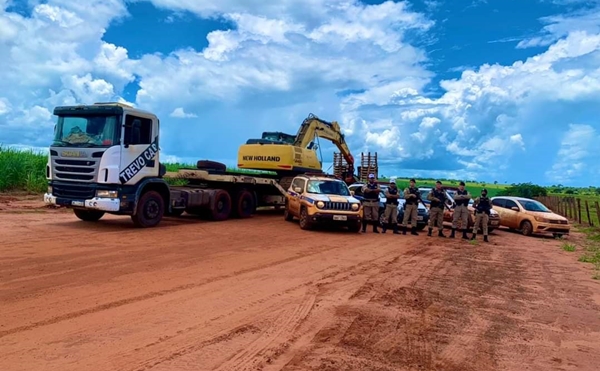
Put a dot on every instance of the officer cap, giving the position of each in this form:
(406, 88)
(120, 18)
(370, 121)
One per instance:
(438, 182)
(371, 176)
(412, 180)
(484, 190)
(392, 181)
(461, 183)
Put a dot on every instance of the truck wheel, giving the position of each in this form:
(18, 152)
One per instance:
(88, 215)
(211, 165)
(221, 208)
(244, 204)
(150, 210)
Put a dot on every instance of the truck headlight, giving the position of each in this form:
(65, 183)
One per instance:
(355, 207)
(320, 204)
(107, 194)
(49, 189)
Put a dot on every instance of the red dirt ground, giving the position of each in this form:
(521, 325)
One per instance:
(260, 294)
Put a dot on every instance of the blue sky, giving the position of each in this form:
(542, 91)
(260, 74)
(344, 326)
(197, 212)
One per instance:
(489, 90)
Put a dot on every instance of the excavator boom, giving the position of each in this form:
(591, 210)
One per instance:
(313, 127)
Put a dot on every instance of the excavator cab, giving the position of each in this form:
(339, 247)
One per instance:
(273, 137)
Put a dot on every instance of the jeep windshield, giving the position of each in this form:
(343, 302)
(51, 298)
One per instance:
(328, 187)
(87, 131)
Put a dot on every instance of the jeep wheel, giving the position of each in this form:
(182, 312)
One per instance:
(88, 215)
(287, 216)
(149, 211)
(304, 222)
(354, 227)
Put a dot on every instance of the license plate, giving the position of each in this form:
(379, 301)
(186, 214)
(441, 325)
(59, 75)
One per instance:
(77, 203)
(419, 218)
(340, 217)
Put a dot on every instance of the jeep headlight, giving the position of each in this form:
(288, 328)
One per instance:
(107, 194)
(355, 207)
(320, 204)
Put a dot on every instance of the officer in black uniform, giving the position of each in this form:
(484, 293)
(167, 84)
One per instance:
(461, 211)
(391, 207)
(482, 206)
(437, 197)
(371, 192)
(411, 208)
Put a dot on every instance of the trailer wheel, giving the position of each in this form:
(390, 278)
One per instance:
(244, 204)
(150, 210)
(211, 165)
(88, 215)
(221, 208)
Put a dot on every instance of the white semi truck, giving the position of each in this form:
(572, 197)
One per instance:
(105, 158)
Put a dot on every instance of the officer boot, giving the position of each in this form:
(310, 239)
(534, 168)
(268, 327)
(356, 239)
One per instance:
(404, 229)
(384, 227)
(396, 229)
(473, 236)
(429, 231)
(452, 233)
(485, 239)
(413, 231)
(441, 233)
(464, 236)
(364, 226)
(375, 230)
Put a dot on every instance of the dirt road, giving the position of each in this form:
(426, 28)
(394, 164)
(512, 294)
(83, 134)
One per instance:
(260, 294)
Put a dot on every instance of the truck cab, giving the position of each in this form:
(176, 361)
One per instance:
(105, 158)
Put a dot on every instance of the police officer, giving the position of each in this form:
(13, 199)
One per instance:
(371, 192)
(437, 196)
(482, 206)
(411, 207)
(461, 211)
(391, 207)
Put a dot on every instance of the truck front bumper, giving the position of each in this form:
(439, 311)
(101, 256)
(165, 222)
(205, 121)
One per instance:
(95, 203)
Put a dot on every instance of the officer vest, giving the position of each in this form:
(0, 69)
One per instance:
(393, 192)
(413, 191)
(463, 202)
(371, 196)
(441, 196)
(484, 205)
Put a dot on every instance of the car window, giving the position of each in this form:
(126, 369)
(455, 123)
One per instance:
(498, 202)
(328, 187)
(298, 183)
(510, 204)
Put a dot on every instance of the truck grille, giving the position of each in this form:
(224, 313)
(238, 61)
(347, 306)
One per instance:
(341, 206)
(81, 170)
(78, 192)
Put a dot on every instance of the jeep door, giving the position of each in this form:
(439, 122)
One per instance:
(297, 186)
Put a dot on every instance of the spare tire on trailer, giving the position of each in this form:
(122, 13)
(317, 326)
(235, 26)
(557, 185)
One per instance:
(220, 207)
(211, 165)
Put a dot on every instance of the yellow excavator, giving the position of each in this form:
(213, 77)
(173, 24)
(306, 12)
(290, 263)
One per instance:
(289, 155)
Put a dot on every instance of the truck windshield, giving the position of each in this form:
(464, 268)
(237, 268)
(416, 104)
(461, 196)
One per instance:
(328, 187)
(87, 131)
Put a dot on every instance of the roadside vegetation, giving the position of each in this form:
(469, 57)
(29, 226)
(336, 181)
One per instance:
(591, 249)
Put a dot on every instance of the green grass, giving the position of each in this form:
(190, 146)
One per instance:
(568, 247)
(23, 170)
(591, 247)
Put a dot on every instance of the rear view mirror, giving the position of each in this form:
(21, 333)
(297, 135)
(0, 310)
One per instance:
(514, 208)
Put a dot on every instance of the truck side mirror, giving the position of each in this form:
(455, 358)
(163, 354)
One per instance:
(297, 189)
(351, 193)
(514, 208)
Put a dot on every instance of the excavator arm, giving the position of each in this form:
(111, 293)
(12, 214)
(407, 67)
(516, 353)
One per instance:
(313, 127)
